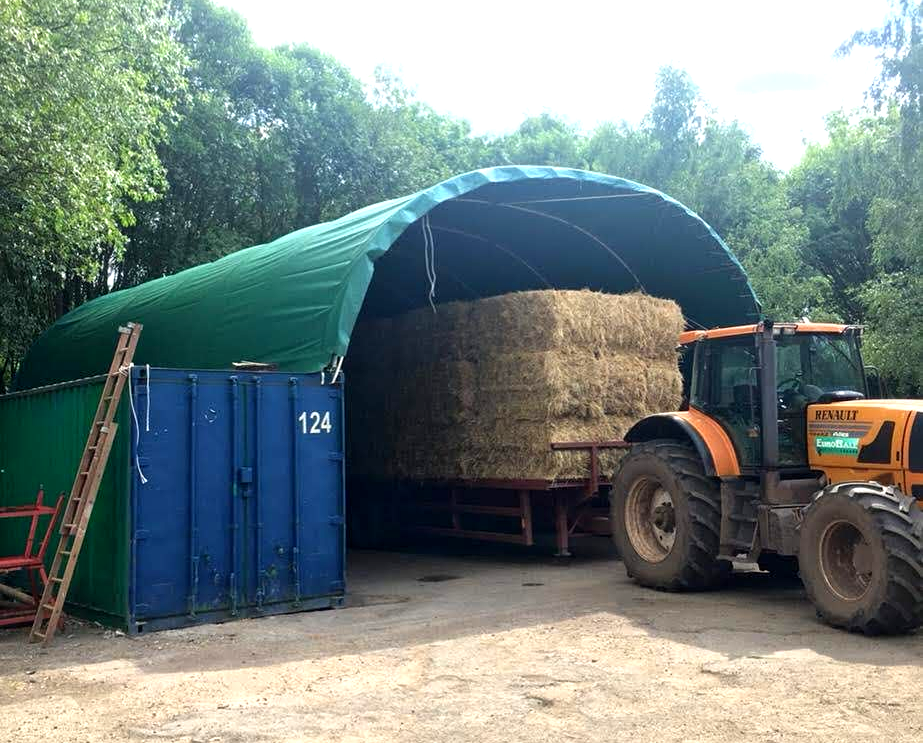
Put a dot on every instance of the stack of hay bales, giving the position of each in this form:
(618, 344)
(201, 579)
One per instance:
(478, 390)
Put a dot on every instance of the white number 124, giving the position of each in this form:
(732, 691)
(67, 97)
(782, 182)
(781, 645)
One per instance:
(320, 423)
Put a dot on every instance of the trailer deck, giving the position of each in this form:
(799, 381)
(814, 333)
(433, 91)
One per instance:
(505, 510)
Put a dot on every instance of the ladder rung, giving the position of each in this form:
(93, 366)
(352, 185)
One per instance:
(38, 634)
(66, 552)
(48, 606)
(70, 526)
(56, 580)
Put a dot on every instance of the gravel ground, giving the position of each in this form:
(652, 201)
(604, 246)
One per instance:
(489, 646)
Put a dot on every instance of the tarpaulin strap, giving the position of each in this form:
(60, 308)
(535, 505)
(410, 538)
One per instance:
(429, 258)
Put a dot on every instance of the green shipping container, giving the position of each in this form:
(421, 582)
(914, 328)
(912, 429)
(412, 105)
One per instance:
(42, 435)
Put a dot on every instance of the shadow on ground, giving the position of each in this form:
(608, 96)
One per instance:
(440, 592)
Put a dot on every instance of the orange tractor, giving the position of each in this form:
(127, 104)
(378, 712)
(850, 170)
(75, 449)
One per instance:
(781, 459)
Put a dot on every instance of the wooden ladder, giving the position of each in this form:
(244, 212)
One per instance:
(86, 485)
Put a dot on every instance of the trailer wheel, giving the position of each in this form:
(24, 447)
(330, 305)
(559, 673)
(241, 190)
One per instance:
(860, 553)
(666, 517)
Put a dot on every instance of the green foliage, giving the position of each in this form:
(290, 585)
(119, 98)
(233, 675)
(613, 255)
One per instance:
(543, 140)
(714, 168)
(86, 87)
(268, 141)
(140, 137)
(862, 197)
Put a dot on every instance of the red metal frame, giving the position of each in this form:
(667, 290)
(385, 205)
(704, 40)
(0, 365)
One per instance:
(31, 561)
(574, 514)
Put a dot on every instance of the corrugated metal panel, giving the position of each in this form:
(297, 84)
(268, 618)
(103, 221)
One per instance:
(241, 511)
(42, 435)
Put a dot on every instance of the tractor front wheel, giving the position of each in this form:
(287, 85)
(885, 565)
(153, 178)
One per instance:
(860, 553)
(666, 517)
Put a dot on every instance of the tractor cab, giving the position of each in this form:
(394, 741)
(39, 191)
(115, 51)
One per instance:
(725, 379)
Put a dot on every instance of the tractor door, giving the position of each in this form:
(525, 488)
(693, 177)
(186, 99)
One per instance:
(725, 386)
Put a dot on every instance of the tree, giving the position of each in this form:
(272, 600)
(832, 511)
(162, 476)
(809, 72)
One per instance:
(884, 188)
(86, 88)
(269, 141)
(208, 154)
(714, 168)
(834, 186)
(675, 121)
(543, 140)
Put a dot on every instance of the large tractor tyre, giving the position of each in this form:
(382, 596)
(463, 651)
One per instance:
(860, 552)
(666, 517)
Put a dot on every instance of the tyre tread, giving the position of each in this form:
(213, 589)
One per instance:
(901, 524)
(702, 568)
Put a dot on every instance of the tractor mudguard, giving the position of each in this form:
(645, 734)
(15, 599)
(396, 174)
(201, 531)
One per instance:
(713, 445)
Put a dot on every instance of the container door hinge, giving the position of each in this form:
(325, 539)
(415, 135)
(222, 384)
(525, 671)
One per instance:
(141, 535)
(337, 521)
(336, 456)
(337, 585)
(245, 475)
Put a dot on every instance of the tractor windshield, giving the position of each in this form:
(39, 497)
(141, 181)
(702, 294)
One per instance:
(807, 366)
(811, 364)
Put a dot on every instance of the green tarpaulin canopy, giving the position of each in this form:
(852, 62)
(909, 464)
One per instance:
(293, 302)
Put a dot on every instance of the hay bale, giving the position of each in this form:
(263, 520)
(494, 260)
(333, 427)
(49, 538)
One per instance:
(479, 390)
(589, 321)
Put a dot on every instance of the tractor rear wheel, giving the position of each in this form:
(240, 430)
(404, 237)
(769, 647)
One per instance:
(860, 553)
(666, 517)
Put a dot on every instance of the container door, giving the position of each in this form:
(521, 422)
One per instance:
(186, 558)
(295, 502)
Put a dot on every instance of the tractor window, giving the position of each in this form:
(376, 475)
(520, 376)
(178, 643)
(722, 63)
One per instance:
(791, 358)
(726, 387)
(808, 365)
(814, 363)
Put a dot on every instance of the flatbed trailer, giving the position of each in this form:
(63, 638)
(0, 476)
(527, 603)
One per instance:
(507, 507)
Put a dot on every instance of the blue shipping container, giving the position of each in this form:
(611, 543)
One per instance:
(237, 495)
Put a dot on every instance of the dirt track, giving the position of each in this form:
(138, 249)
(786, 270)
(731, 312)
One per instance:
(497, 648)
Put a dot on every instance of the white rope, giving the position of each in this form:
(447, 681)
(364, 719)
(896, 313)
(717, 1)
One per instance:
(126, 370)
(429, 259)
(147, 413)
(336, 372)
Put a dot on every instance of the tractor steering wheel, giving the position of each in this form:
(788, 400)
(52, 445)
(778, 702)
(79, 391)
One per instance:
(789, 391)
(790, 385)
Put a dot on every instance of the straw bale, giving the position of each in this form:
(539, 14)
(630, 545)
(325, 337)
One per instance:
(479, 390)
(591, 321)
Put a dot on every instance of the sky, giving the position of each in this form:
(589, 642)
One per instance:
(771, 66)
